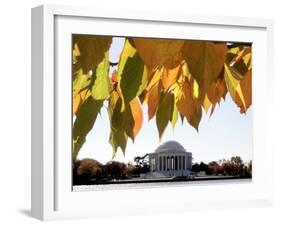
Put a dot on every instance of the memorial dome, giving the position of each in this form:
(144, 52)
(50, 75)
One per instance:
(170, 146)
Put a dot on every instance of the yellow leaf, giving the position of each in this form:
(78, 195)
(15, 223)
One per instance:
(248, 60)
(240, 95)
(246, 50)
(185, 70)
(231, 81)
(246, 90)
(206, 104)
(234, 50)
(195, 89)
(78, 100)
(170, 76)
(75, 53)
(156, 76)
(233, 86)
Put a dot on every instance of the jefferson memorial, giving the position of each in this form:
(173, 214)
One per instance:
(170, 159)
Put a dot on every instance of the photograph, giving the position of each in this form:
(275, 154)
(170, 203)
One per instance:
(151, 110)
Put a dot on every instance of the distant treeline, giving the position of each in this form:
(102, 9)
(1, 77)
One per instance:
(87, 170)
(232, 167)
(90, 169)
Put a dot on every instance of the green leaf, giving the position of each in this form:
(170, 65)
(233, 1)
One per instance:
(196, 118)
(130, 120)
(84, 122)
(92, 50)
(133, 78)
(118, 138)
(205, 60)
(128, 52)
(117, 117)
(174, 115)
(101, 88)
(163, 112)
(182, 118)
(81, 82)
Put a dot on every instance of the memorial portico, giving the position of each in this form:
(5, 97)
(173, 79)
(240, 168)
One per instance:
(170, 159)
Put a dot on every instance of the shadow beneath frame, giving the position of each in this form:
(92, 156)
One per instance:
(25, 212)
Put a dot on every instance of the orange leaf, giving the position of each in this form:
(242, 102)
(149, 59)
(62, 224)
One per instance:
(217, 90)
(160, 52)
(154, 78)
(78, 100)
(153, 100)
(137, 116)
(187, 105)
(205, 60)
(170, 76)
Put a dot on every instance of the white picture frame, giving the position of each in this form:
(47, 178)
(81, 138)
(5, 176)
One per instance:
(52, 197)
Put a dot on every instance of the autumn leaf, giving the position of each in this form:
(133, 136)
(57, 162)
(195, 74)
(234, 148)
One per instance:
(132, 74)
(170, 76)
(206, 104)
(118, 138)
(81, 82)
(205, 60)
(91, 49)
(173, 77)
(128, 51)
(212, 109)
(75, 53)
(217, 90)
(101, 88)
(143, 96)
(246, 88)
(153, 99)
(154, 78)
(194, 88)
(133, 118)
(159, 52)
(163, 113)
(79, 99)
(240, 55)
(182, 118)
(81, 87)
(84, 122)
(174, 115)
(130, 120)
(237, 68)
(187, 105)
(233, 85)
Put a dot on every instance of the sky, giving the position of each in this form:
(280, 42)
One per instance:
(226, 133)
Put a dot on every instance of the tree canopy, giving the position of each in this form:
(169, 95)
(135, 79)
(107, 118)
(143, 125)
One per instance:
(175, 78)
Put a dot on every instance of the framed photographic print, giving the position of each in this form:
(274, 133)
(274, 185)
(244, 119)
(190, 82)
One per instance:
(154, 113)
